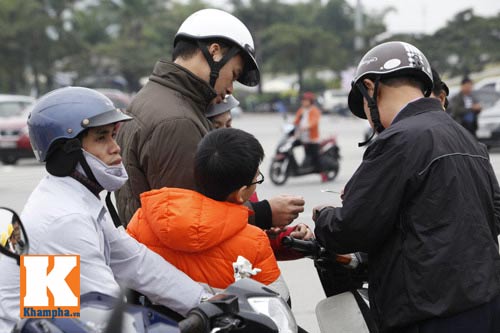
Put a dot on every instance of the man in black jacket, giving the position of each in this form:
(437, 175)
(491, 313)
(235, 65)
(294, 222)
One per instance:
(424, 204)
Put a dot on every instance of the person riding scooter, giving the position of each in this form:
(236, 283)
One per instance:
(307, 130)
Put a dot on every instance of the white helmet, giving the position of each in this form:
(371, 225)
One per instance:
(215, 23)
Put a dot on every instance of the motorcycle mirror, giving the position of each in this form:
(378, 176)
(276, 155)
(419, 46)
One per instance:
(13, 237)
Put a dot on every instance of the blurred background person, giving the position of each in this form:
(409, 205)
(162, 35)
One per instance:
(464, 107)
(307, 129)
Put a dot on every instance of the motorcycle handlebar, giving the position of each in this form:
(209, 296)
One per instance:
(194, 323)
(311, 248)
(307, 247)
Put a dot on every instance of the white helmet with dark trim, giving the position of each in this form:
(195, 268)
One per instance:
(209, 24)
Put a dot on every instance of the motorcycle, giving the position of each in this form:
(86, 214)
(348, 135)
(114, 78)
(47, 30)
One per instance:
(344, 280)
(245, 306)
(284, 163)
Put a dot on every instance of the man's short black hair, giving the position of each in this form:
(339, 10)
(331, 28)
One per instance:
(226, 160)
(397, 80)
(439, 85)
(466, 80)
(187, 47)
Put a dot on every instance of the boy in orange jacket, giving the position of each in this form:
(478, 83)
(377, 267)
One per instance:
(203, 232)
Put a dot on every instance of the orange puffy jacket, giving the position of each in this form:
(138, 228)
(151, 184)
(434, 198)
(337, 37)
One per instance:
(202, 237)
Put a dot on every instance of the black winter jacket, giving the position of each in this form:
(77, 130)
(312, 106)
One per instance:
(424, 204)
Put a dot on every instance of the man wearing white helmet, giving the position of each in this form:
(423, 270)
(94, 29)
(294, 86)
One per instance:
(212, 49)
(424, 204)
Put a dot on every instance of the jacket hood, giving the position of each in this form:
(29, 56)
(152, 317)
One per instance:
(187, 221)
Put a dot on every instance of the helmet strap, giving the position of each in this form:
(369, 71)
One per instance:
(86, 168)
(216, 66)
(372, 104)
(364, 143)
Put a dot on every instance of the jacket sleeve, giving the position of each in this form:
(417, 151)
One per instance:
(372, 198)
(314, 117)
(264, 257)
(263, 215)
(457, 107)
(138, 268)
(168, 160)
(496, 201)
(296, 121)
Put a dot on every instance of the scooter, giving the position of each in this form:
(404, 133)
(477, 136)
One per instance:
(344, 280)
(285, 165)
(245, 306)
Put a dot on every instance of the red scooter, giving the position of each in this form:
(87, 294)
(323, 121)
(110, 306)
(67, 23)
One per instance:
(285, 165)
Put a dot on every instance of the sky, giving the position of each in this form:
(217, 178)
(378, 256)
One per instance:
(425, 16)
(416, 16)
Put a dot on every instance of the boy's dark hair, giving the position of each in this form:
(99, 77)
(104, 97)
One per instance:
(187, 47)
(226, 159)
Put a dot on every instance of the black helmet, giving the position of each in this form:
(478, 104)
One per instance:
(389, 59)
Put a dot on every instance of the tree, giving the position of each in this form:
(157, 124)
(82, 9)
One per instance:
(258, 15)
(466, 44)
(292, 48)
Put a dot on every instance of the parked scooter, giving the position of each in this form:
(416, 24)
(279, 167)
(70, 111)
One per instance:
(344, 279)
(285, 165)
(245, 306)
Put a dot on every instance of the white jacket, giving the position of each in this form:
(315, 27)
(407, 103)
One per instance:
(64, 217)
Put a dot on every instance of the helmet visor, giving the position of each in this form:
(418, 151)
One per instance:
(106, 118)
(251, 74)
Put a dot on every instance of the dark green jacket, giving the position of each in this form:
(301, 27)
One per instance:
(159, 144)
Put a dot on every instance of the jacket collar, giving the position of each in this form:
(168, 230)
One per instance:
(417, 107)
(181, 79)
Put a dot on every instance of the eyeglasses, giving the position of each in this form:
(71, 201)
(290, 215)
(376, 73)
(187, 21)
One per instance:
(259, 181)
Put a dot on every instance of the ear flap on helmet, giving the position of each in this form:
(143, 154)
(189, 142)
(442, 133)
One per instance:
(63, 157)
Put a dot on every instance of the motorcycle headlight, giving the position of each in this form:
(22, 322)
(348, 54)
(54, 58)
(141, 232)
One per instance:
(276, 309)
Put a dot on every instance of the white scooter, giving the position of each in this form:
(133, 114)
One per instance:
(245, 306)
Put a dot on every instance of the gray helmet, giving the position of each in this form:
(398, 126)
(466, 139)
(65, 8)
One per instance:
(389, 59)
(226, 105)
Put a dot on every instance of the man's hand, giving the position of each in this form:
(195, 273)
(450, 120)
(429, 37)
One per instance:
(285, 209)
(476, 107)
(302, 231)
(316, 211)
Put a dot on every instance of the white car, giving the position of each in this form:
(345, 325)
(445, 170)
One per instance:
(491, 83)
(334, 100)
(488, 129)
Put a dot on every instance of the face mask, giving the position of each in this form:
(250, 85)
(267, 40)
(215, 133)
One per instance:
(110, 177)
